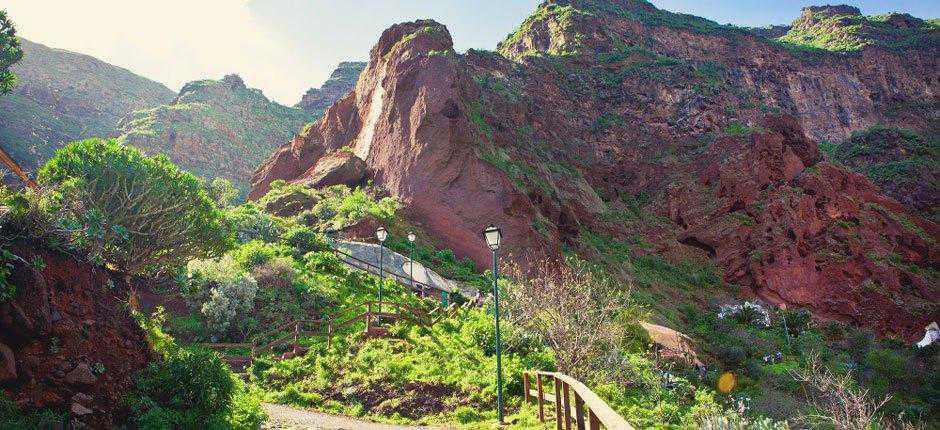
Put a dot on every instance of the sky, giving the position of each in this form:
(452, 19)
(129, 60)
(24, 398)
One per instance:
(285, 47)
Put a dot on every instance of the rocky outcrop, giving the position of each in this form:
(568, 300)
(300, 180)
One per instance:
(71, 341)
(340, 167)
(340, 83)
(63, 96)
(577, 133)
(810, 234)
(214, 128)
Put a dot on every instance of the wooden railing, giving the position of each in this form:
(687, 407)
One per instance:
(373, 316)
(588, 411)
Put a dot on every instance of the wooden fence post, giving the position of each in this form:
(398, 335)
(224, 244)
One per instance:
(558, 413)
(567, 407)
(525, 387)
(595, 423)
(538, 383)
(579, 410)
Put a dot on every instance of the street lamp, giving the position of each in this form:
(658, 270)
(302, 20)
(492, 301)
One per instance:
(493, 236)
(381, 234)
(411, 262)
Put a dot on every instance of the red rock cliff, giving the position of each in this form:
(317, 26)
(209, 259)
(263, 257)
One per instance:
(612, 122)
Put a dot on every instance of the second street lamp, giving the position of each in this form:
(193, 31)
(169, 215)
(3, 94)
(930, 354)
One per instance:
(411, 261)
(493, 236)
(381, 234)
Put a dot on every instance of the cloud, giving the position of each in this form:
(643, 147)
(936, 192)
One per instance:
(171, 41)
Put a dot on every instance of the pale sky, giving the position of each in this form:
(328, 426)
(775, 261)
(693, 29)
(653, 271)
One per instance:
(284, 47)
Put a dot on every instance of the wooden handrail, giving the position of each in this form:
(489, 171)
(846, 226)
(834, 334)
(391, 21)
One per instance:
(589, 410)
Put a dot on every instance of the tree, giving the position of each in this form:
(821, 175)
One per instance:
(10, 53)
(584, 317)
(143, 215)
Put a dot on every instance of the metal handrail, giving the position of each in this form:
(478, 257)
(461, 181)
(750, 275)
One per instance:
(589, 409)
(399, 278)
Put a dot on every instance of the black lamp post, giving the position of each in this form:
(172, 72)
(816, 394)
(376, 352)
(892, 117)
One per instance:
(381, 234)
(493, 236)
(411, 261)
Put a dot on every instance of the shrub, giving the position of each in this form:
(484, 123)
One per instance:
(190, 388)
(581, 314)
(141, 214)
(222, 191)
(252, 223)
(256, 253)
(304, 240)
(223, 290)
(7, 288)
(277, 273)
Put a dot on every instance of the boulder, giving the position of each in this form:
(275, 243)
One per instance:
(81, 375)
(339, 167)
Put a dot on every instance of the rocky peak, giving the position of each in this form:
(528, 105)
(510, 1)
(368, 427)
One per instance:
(221, 91)
(341, 81)
(421, 35)
(234, 81)
(829, 10)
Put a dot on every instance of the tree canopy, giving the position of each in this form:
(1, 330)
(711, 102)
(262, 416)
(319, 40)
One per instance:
(141, 214)
(10, 53)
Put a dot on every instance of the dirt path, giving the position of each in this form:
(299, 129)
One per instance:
(282, 417)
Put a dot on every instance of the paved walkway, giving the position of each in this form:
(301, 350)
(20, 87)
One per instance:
(281, 417)
(400, 265)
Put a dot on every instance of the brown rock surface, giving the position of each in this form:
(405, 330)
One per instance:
(57, 356)
(340, 167)
(605, 124)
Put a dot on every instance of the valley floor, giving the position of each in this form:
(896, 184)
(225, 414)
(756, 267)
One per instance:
(281, 417)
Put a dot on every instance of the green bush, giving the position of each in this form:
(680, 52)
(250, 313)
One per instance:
(7, 288)
(304, 240)
(252, 223)
(224, 292)
(256, 253)
(141, 214)
(13, 418)
(189, 388)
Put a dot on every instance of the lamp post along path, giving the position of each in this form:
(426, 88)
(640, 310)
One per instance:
(381, 234)
(411, 260)
(493, 236)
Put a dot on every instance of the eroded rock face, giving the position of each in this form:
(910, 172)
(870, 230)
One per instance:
(809, 233)
(55, 329)
(626, 132)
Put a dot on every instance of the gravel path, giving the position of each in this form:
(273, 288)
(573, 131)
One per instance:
(282, 417)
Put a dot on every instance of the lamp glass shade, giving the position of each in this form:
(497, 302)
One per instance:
(411, 237)
(493, 236)
(381, 234)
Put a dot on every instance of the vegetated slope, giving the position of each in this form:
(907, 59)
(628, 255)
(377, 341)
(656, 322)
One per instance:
(63, 96)
(340, 83)
(844, 28)
(906, 165)
(214, 128)
(635, 135)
